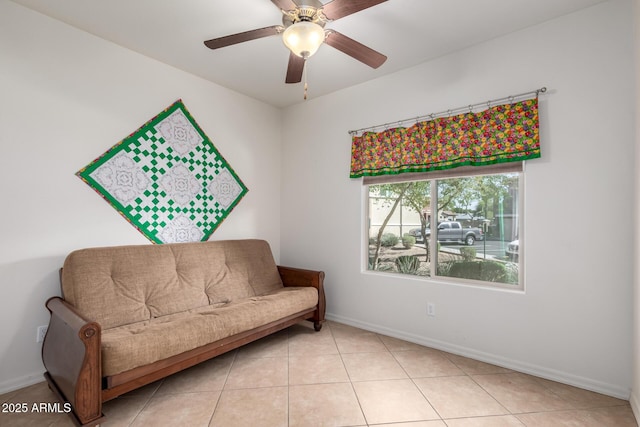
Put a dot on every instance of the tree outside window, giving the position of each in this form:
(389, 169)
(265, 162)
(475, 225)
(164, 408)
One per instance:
(476, 222)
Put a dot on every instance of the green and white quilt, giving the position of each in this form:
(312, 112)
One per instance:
(167, 179)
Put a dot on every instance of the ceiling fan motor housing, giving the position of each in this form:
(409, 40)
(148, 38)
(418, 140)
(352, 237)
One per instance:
(307, 11)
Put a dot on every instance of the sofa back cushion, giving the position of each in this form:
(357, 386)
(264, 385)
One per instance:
(125, 284)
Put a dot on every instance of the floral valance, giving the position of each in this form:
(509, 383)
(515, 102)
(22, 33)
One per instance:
(503, 133)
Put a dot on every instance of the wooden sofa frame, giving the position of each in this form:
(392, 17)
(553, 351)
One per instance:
(71, 352)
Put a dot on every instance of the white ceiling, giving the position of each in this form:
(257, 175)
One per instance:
(407, 31)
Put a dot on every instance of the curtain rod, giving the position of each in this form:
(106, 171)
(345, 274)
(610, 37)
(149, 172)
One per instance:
(450, 112)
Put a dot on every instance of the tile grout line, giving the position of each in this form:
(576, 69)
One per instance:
(226, 378)
(470, 376)
(344, 366)
(441, 418)
(147, 403)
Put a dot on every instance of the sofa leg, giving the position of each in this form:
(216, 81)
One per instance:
(95, 421)
(317, 326)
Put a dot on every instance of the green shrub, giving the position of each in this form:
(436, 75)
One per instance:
(511, 273)
(389, 240)
(383, 266)
(488, 271)
(408, 241)
(468, 254)
(407, 264)
(443, 268)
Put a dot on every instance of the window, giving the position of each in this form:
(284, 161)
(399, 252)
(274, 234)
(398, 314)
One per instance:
(476, 222)
(444, 195)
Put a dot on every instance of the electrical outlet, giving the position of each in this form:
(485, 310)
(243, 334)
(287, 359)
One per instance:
(41, 331)
(431, 309)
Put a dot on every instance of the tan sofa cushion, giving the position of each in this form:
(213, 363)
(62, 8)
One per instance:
(139, 344)
(120, 285)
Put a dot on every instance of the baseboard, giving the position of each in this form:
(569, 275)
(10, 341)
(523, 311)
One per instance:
(634, 400)
(519, 366)
(18, 383)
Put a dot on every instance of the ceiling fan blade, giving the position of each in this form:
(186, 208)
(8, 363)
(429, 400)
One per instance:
(337, 9)
(355, 49)
(243, 37)
(295, 69)
(284, 4)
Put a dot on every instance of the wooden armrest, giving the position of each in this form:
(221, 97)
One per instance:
(59, 307)
(300, 277)
(71, 354)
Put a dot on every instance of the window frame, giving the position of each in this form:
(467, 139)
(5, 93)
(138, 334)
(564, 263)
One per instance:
(461, 172)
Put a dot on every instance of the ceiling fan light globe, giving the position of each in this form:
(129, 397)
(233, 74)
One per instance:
(303, 38)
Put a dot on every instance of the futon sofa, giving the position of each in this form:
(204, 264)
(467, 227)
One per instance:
(131, 315)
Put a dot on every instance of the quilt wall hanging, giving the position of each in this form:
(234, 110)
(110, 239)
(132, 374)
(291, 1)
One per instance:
(167, 179)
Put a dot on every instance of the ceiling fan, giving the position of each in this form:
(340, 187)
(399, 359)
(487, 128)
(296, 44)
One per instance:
(303, 32)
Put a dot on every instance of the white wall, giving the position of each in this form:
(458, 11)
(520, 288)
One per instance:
(574, 321)
(635, 392)
(66, 97)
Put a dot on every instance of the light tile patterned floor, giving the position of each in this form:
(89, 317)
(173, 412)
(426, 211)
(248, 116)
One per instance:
(343, 376)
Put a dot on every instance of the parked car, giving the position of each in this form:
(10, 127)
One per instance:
(452, 231)
(512, 250)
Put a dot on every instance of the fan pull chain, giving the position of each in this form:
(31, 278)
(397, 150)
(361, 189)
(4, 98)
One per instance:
(305, 80)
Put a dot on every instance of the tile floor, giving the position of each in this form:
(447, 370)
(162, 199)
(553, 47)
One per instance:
(343, 376)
